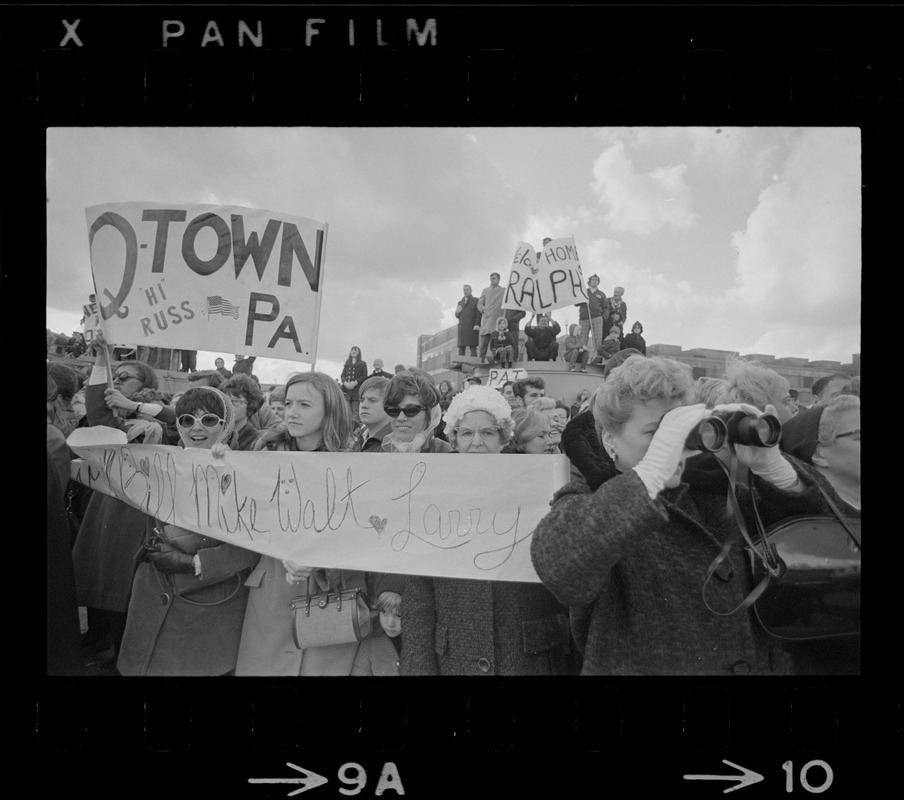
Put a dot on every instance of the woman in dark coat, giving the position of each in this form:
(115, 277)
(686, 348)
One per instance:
(627, 543)
(354, 373)
(826, 438)
(112, 531)
(196, 629)
(470, 627)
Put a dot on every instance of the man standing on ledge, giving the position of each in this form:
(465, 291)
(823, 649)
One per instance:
(490, 306)
(468, 322)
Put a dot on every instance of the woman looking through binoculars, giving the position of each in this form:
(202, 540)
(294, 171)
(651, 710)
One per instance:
(627, 544)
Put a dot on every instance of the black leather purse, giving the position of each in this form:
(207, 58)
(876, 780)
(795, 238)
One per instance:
(806, 568)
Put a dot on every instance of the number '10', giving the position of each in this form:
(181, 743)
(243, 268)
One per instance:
(788, 766)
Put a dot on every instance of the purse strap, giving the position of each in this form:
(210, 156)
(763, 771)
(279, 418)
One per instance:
(766, 552)
(769, 556)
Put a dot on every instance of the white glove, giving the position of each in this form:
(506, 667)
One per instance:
(667, 448)
(766, 462)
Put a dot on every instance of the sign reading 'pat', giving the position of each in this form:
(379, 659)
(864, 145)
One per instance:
(220, 278)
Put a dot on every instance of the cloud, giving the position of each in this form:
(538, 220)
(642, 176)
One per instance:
(391, 198)
(640, 203)
(799, 255)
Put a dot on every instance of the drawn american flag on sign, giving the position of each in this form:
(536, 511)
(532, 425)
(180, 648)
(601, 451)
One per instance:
(219, 305)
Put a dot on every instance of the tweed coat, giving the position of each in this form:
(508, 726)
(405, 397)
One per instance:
(468, 627)
(632, 569)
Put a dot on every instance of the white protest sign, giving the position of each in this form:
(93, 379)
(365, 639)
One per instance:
(221, 278)
(499, 376)
(455, 516)
(552, 281)
(90, 321)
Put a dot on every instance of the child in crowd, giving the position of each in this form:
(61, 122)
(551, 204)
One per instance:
(502, 346)
(575, 353)
(609, 346)
(277, 401)
(379, 653)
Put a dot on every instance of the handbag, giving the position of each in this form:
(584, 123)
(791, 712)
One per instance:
(807, 570)
(817, 594)
(334, 616)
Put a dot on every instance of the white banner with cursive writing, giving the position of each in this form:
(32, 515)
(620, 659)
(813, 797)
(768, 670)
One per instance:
(454, 516)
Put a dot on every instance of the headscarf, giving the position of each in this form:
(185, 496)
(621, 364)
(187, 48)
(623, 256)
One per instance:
(228, 414)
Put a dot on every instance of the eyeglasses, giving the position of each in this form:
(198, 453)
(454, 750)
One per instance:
(207, 420)
(122, 377)
(409, 411)
(466, 434)
(855, 435)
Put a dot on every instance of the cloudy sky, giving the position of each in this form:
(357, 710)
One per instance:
(744, 239)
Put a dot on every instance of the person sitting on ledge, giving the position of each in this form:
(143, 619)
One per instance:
(541, 339)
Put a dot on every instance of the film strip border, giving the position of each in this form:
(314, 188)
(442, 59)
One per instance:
(526, 65)
(537, 734)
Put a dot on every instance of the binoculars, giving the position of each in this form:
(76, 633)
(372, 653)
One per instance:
(713, 433)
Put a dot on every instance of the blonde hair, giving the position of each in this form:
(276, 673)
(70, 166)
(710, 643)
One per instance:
(528, 424)
(389, 602)
(637, 381)
(750, 382)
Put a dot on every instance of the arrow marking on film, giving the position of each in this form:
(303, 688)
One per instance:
(747, 778)
(311, 780)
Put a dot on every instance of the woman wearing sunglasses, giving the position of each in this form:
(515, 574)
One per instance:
(317, 419)
(471, 627)
(188, 594)
(413, 405)
(111, 531)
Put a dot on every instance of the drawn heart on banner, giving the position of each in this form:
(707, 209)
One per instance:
(224, 483)
(145, 465)
(379, 524)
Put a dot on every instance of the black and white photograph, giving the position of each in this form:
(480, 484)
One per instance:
(306, 239)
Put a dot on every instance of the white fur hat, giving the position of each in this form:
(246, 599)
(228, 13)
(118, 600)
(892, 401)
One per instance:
(477, 398)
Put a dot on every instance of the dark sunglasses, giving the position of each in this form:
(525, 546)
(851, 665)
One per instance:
(409, 411)
(207, 420)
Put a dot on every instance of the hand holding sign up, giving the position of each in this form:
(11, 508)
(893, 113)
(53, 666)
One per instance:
(542, 282)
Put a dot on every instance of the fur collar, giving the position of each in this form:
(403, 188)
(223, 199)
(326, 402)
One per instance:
(585, 451)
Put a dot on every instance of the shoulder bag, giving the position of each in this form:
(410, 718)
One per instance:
(806, 570)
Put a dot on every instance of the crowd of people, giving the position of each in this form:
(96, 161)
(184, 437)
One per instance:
(622, 553)
(492, 334)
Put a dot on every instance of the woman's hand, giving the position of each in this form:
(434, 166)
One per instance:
(666, 450)
(766, 462)
(116, 399)
(296, 573)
